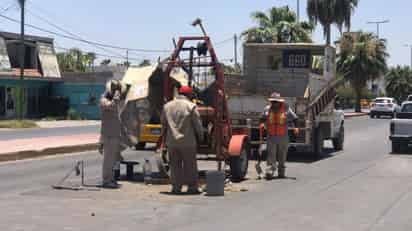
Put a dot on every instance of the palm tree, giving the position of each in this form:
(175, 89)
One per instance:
(363, 57)
(145, 63)
(328, 12)
(399, 82)
(279, 25)
(90, 58)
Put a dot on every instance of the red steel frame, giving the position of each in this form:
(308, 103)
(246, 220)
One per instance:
(221, 123)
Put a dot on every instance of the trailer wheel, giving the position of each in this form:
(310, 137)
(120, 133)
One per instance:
(317, 144)
(338, 141)
(239, 164)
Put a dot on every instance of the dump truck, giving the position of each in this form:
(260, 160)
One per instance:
(305, 75)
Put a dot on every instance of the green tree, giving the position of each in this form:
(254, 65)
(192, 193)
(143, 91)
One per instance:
(399, 82)
(105, 62)
(75, 60)
(90, 59)
(363, 57)
(231, 69)
(329, 12)
(279, 25)
(145, 63)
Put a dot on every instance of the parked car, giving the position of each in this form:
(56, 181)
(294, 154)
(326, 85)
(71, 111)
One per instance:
(409, 99)
(384, 106)
(401, 128)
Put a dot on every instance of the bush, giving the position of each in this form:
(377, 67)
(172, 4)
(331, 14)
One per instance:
(72, 114)
(17, 124)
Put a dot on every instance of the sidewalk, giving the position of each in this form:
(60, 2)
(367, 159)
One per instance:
(355, 114)
(67, 123)
(17, 149)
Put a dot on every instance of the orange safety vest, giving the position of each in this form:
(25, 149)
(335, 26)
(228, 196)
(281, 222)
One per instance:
(276, 122)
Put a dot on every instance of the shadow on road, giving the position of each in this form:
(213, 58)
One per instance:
(299, 157)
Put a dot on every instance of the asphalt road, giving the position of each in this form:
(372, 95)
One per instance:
(45, 132)
(361, 188)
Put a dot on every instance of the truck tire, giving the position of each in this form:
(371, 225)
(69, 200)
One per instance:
(339, 141)
(239, 165)
(396, 147)
(140, 146)
(317, 144)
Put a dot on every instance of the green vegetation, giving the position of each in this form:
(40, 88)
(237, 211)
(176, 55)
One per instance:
(17, 124)
(329, 12)
(399, 82)
(362, 58)
(72, 114)
(279, 25)
(75, 60)
(145, 63)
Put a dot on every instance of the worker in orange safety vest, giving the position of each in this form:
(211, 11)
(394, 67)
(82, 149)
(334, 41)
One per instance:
(276, 118)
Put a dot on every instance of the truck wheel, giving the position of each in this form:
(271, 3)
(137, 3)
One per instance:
(140, 146)
(338, 141)
(396, 147)
(318, 144)
(239, 165)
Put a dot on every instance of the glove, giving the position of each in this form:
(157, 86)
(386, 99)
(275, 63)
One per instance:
(100, 149)
(116, 96)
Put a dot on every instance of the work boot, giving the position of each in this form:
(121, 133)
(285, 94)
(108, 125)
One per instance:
(111, 185)
(194, 190)
(281, 173)
(176, 190)
(269, 173)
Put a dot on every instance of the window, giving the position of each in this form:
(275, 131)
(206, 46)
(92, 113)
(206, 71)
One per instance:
(381, 101)
(407, 108)
(30, 60)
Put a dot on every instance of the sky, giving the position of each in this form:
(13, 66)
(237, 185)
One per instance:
(153, 24)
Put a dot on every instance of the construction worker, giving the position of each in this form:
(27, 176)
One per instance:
(111, 131)
(277, 116)
(183, 130)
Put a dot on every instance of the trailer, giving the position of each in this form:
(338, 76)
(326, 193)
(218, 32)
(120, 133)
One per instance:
(197, 57)
(305, 75)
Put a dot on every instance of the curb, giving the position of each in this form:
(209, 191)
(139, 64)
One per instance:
(356, 115)
(21, 155)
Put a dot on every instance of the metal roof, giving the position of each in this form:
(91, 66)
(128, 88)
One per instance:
(15, 36)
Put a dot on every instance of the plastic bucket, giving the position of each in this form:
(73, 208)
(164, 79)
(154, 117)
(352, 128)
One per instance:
(215, 183)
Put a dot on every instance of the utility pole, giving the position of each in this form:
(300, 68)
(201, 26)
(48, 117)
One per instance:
(22, 59)
(235, 47)
(127, 59)
(298, 9)
(410, 46)
(378, 23)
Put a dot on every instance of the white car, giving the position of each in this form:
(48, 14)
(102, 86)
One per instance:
(401, 128)
(384, 106)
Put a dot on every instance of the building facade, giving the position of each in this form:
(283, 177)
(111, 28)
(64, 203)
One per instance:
(46, 91)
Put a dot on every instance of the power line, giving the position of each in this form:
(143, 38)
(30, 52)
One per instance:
(70, 33)
(102, 55)
(217, 44)
(7, 8)
(83, 40)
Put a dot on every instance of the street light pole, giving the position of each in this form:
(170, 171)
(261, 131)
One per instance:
(410, 46)
(22, 59)
(378, 23)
